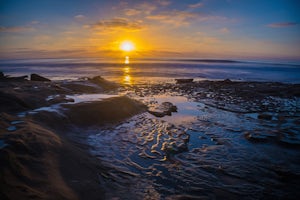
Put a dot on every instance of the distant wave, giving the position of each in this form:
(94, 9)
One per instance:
(209, 60)
(96, 61)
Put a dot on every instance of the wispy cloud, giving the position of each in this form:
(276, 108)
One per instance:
(34, 22)
(196, 5)
(144, 8)
(16, 29)
(132, 12)
(175, 17)
(224, 30)
(79, 17)
(164, 2)
(117, 24)
(183, 18)
(282, 24)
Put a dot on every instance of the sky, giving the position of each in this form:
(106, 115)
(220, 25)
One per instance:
(233, 29)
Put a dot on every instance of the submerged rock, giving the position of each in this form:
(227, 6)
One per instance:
(36, 77)
(258, 137)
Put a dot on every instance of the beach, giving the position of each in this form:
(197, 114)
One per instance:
(96, 139)
(149, 100)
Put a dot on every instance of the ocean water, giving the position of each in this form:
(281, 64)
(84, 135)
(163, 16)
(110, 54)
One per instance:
(141, 71)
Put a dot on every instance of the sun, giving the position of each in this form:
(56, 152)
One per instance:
(127, 46)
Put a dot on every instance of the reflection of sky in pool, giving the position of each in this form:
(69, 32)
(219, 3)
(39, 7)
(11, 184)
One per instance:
(218, 155)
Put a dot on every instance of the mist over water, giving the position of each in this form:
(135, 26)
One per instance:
(140, 71)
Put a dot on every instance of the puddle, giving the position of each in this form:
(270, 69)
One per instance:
(16, 122)
(77, 99)
(187, 111)
(89, 97)
(11, 128)
(215, 152)
(2, 144)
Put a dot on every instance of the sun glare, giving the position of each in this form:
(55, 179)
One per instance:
(127, 46)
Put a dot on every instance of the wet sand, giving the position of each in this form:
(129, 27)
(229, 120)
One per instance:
(112, 148)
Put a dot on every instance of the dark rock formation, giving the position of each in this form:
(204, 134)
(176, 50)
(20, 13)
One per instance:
(36, 77)
(166, 108)
(109, 110)
(105, 84)
(184, 80)
(264, 116)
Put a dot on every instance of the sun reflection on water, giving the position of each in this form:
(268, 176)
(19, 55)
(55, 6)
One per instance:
(127, 79)
(126, 70)
(126, 60)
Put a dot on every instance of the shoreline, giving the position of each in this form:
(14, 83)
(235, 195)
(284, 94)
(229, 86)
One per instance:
(48, 156)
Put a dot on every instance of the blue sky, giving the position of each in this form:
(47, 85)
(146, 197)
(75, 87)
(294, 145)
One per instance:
(165, 28)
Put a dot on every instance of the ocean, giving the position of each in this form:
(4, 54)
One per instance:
(153, 70)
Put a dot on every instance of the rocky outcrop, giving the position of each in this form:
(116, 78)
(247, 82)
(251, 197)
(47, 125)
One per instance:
(36, 77)
(109, 110)
(105, 84)
(165, 108)
(184, 80)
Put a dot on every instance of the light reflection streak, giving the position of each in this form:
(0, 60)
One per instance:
(127, 79)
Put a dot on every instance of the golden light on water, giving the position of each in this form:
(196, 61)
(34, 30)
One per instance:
(127, 80)
(126, 60)
(126, 72)
(127, 46)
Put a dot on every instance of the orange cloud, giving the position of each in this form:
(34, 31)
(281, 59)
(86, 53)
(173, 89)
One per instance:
(132, 12)
(117, 24)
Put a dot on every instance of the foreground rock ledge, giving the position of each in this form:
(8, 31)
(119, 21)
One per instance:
(109, 110)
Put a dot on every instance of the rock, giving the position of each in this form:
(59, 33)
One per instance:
(166, 108)
(265, 116)
(8, 78)
(111, 110)
(183, 80)
(171, 148)
(36, 77)
(227, 81)
(60, 99)
(169, 106)
(255, 137)
(105, 84)
(157, 113)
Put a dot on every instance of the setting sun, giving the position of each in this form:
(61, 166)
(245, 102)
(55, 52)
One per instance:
(127, 46)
